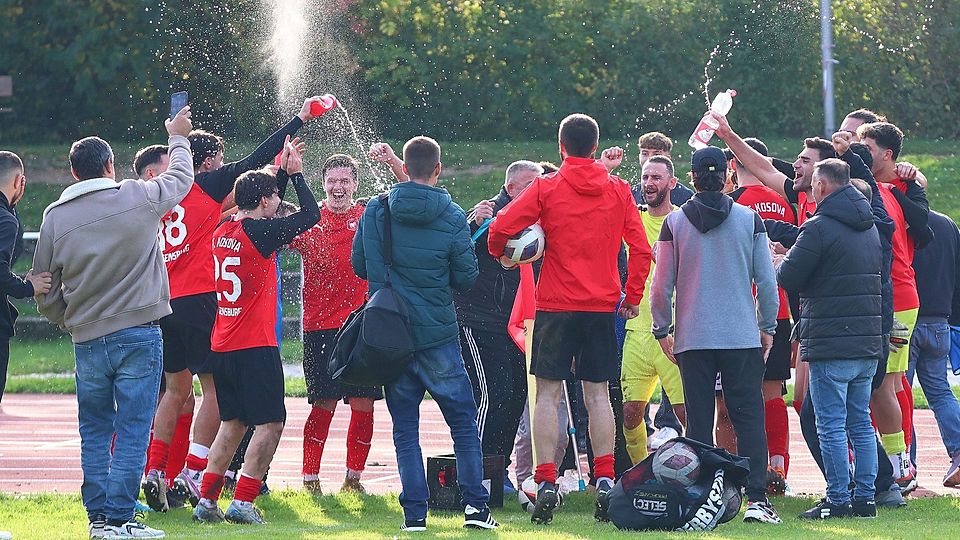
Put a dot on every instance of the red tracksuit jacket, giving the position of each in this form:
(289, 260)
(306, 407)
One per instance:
(585, 213)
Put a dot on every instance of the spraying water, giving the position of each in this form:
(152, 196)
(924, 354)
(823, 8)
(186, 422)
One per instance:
(290, 28)
(309, 56)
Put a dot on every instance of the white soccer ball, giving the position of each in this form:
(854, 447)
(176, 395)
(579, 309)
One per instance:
(526, 246)
(676, 463)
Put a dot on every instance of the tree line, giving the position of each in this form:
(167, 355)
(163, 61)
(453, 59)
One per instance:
(466, 69)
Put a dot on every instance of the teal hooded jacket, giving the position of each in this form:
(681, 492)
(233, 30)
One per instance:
(432, 256)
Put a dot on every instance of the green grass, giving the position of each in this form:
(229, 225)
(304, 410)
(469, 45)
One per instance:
(295, 515)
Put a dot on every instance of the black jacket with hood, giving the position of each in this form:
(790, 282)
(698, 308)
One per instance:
(835, 266)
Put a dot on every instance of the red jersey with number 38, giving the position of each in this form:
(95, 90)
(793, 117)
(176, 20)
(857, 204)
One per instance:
(246, 291)
(185, 234)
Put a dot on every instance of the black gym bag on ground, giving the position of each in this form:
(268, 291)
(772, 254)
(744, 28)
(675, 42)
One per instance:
(375, 344)
(639, 501)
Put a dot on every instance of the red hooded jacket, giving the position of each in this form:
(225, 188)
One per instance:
(585, 213)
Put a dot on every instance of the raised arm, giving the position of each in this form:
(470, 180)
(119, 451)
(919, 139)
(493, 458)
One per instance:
(166, 190)
(754, 161)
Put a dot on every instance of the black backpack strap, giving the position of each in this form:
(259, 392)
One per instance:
(384, 199)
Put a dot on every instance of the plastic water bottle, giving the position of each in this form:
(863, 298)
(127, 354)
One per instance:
(707, 126)
(326, 102)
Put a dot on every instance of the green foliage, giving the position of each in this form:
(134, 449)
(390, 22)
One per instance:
(476, 70)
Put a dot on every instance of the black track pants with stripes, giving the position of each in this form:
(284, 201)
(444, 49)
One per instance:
(496, 367)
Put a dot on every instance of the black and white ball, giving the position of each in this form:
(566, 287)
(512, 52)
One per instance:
(526, 246)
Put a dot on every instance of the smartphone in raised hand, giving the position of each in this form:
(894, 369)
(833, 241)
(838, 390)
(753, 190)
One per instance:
(178, 100)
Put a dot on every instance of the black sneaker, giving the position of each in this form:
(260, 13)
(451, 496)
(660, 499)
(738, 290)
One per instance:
(827, 510)
(603, 501)
(478, 519)
(864, 508)
(547, 501)
(414, 525)
(96, 526)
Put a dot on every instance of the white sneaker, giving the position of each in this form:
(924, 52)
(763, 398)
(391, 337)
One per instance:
(761, 512)
(131, 529)
(4, 535)
(661, 436)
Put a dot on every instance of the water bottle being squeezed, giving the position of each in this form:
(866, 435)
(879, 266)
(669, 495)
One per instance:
(707, 126)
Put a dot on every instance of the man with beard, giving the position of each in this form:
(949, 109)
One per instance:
(643, 361)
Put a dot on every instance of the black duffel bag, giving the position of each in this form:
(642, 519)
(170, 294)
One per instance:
(375, 343)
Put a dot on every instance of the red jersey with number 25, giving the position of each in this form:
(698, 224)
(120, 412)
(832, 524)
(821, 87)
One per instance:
(185, 234)
(246, 291)
(770, 205)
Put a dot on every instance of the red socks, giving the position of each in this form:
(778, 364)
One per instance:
(315, 432)
(905, 397)
(247, 489)
(778, 430)
(546, 472)
(195, 463)
(603, 467)
(157, 455)
(359, 435)
(179, 445)
(211, 486)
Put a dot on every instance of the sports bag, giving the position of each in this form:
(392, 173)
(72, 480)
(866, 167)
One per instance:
(375, 344)
(639, 501)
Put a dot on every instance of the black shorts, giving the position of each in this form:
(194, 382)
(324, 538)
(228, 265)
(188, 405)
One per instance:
(186, 334)
(575, 344)
(778, 361)
(249, 385)
(317, 347)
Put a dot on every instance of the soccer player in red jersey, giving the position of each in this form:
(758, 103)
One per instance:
(906, 203)
(245, 358)
(185, 235)
(330, 292)
(771, 205)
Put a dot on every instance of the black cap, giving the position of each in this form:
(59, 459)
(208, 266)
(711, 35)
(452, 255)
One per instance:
(707, 160)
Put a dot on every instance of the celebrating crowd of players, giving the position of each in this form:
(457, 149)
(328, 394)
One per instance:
(694, 275)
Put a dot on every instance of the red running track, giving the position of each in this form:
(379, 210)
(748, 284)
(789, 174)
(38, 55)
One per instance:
(40, 448)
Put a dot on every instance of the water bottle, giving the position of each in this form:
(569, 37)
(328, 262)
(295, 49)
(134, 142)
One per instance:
(707, 126)
(326, 102)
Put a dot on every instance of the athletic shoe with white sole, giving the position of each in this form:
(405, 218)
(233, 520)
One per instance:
(864, 508)
(414, 525)
(474, 518)
(96, 526)
(207, 514)
(131, 529)
(827, 510)
(4, 535)
(243, 513)
(761, 512)
(154, 488)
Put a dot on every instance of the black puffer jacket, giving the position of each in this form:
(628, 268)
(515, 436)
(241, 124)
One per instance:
(835, 266)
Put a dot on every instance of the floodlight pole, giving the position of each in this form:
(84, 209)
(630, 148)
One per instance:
(826, 52)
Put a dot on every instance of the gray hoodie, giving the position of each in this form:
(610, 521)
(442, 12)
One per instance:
(712, 252)
(99, 240)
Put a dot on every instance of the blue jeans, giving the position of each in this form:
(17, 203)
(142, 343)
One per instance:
(840, 391)
(439, 371)
(118, 379)
(929, 348)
